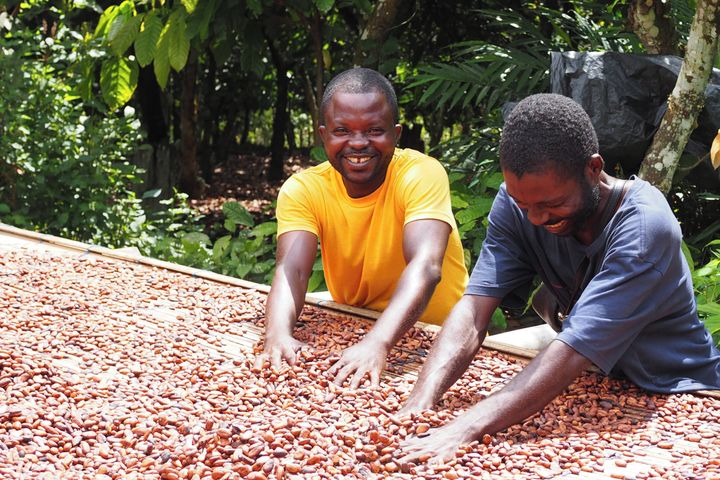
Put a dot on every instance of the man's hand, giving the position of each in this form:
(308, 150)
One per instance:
(437, 445)
(544, 378)
(295, 256)
(277, 350)
(410, 408)
(365, 357)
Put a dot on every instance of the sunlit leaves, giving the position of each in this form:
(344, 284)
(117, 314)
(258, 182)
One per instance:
(118, 79)
(105, 20)
(178, 44)
(189, 5)
(122, 33)
(161, 64)
(147, 39)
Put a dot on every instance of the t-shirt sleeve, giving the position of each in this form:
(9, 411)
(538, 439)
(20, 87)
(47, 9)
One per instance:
(426, 194)
(629, 292)
(502, 265)
(295, 208)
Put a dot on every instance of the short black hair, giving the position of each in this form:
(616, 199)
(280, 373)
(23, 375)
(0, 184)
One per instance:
(360, 80)
(547, 130)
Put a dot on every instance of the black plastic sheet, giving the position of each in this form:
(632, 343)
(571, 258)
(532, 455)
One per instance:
(626, 98)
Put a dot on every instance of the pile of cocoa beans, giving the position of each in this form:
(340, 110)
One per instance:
(114, 370)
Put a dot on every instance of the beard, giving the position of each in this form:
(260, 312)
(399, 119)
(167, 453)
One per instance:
(590, 202)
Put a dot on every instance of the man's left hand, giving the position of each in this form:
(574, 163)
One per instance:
(365, 357)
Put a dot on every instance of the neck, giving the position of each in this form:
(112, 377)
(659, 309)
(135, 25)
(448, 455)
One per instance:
(589, 232)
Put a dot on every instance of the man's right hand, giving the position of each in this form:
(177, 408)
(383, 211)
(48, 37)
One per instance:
(295, 257)
(277, 350)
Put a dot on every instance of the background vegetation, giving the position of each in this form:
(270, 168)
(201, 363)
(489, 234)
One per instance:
(114, 114)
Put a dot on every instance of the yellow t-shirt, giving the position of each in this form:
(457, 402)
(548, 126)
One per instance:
(361, 238)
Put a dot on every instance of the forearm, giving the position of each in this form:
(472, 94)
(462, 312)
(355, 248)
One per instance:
(284, 304)
(453, 350)
(546, 377)
(412, 295)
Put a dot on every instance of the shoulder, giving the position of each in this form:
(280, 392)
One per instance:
(311, 180)
(503, 204)
(648, 205)
(646, 221)
(413, 166)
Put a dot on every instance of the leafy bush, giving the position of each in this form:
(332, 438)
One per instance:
(66, 168)
(246, 250)
(706, 279)
(475, 177)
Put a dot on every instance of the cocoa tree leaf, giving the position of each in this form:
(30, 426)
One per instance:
(161, 63)
(146, 42)
(122, 37)
(178, 42)
(118, 80)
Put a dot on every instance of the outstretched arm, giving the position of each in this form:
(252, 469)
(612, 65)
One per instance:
(296, 252)
(424, 245)
(457, 343)
(552, 371)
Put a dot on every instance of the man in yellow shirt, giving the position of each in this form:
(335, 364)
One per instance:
(382, 214)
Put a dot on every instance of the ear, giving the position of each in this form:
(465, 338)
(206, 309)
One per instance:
(594, 167)
(323, 132)
(398, 132)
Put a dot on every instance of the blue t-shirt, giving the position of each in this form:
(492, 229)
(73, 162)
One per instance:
(636, 314)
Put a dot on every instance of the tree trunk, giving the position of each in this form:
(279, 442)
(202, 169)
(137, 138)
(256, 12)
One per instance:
(152, 110)
(246, 126)
(8, 194)
(159, 164)
(316, 35)
(376, 31)
(280, 118)
(208, 121)
(190, 181)
(651, 22)
(313, 103)
(687, 99)
(290, 132)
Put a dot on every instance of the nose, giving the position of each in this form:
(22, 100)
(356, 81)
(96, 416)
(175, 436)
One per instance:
(358, 140)
(537, 216)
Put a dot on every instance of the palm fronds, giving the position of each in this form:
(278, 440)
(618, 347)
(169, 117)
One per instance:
(483, 74)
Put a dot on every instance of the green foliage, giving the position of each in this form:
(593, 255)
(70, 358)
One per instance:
(164, 34)
(706, 280)
(66, 171)
(474, 181)
(64, 164)
(118, 79)
(487, 74)
(247, 250)
(147, 39)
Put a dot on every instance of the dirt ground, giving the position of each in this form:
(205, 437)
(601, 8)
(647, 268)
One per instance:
(243, 179)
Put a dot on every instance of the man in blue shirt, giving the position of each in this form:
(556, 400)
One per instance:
(609, 254)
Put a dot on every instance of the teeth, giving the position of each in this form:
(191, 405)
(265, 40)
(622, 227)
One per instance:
(556, 226)
(358, 159)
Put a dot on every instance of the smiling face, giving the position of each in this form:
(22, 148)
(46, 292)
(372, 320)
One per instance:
(359, 136)
(560, 204)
